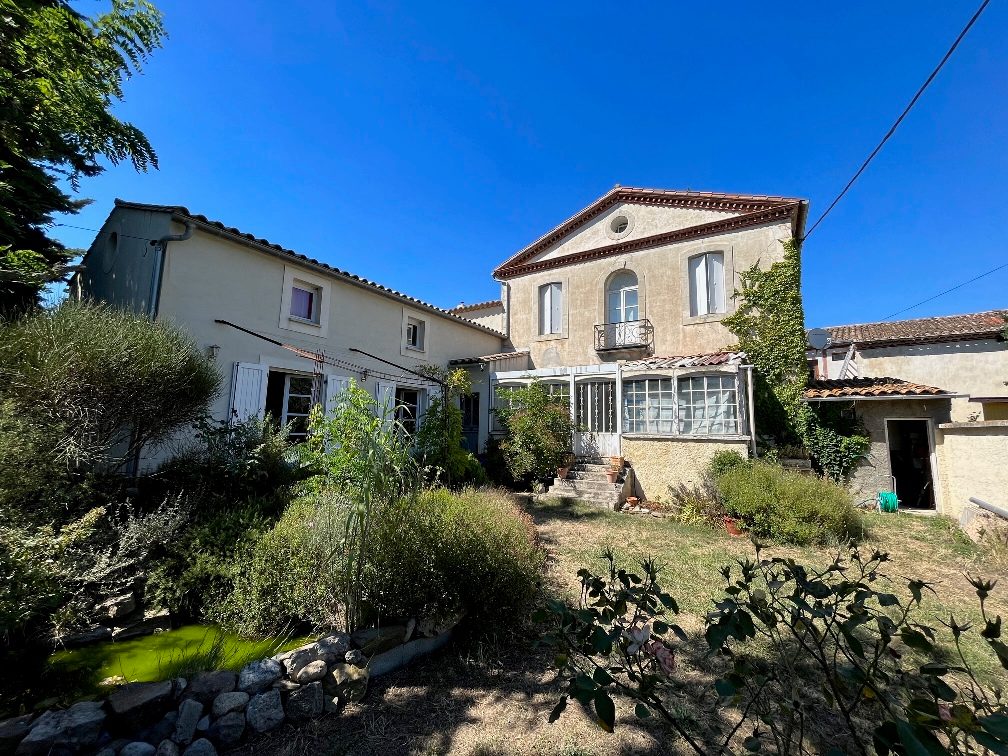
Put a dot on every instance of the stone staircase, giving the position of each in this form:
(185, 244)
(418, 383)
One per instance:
(587, 481)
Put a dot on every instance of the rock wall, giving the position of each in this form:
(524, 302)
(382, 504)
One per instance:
(217, 710)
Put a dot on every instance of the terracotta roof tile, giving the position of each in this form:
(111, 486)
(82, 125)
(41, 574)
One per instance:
(476, 306)
(695, 360)
(868, 387)
(978, 325)
(182, 212)
(741, 210)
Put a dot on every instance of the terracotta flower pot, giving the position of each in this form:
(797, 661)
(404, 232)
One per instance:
(732, 526)
(612, 475)
(632, 500)
(562, 472)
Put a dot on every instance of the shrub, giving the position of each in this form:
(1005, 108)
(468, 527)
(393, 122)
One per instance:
(441, 553)
(786, 506)
(698, 503)
(725, 461)
(540, 433)
(806, 661)
(432, 555)
(113, 380)
(226, 463)
(195, 570)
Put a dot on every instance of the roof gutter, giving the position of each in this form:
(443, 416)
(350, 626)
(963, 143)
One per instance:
(161, 250)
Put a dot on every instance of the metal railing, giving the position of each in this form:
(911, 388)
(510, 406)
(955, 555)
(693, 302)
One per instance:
(631, 334)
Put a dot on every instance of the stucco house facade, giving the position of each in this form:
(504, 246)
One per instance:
(619, 309)
(932, 395)
(293, 311)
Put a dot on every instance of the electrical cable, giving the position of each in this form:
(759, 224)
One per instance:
(943, 293)
(899, 120)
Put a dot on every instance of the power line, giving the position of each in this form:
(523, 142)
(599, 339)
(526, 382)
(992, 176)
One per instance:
(899, 120)
(943, 293)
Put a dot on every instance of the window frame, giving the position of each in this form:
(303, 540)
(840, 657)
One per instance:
(719, 307)
(704, 429)
(318, 324)
(419, 330)
(665, 416)
(548, 303)
(285, 414)
(410, 423)
(622, 292)
(313, 302)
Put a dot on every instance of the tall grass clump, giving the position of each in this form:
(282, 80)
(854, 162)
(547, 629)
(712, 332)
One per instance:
(785, 506)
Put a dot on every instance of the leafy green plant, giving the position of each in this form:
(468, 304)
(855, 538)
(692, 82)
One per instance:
(438, 441)
(725, 461)
(540, 433)
(811, 660)
(782, 505)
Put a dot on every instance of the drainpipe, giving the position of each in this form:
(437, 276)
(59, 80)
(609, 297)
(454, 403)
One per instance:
(161, 249)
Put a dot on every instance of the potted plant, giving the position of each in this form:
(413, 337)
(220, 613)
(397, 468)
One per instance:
(565, 466)
(732, 526)
(614, 469)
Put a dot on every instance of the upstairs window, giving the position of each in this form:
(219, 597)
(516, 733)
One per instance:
(550, 309)
(304, 302)
(621, 298)
(707, 284)
(415, 329)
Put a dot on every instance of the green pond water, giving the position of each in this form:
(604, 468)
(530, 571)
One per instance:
(173, 653)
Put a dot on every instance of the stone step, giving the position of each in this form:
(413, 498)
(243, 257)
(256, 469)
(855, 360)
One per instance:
(587, 475)
(592, 501)
(578, 485)
(590, 466)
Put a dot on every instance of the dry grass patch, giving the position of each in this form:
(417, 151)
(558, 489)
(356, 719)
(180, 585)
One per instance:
(495, 698)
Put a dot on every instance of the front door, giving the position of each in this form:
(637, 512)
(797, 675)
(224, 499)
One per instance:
(470, 421)
(910, 462)
(595, 420)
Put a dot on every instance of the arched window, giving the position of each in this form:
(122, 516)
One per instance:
(621, 298)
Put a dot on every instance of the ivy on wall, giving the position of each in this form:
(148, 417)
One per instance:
(770, 326)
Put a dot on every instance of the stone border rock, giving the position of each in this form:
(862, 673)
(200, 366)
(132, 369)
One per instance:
(219, 709)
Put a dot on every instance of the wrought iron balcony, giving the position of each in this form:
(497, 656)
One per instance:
(631, 334)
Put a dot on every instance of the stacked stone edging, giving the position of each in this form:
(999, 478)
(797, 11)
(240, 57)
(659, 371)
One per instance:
(220, 709)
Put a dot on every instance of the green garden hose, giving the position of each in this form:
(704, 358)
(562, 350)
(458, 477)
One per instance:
(887, 501)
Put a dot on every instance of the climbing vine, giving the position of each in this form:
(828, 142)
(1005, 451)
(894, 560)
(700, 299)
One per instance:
(770, 326)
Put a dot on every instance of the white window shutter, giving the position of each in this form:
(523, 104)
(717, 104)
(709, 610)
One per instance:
(248, 391)
(335, 386)
(385, 395)
(715, 282)
(544, 309)
(556, 308)
(697, 286)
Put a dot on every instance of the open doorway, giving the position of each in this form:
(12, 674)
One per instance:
(910, 462)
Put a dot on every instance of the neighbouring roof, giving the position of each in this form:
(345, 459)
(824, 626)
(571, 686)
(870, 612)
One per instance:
(476, 306)
(489, 357)
(977, 325)
(181, 213)
(989, 399)
(869, 388)
(694, 360)
(747, 209)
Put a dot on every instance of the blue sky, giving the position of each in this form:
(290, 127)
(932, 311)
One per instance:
(420, 145)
